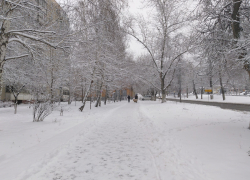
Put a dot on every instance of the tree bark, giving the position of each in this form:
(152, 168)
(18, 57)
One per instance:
(236, 19)
(163, 91)
(236, 33)
(99, 96)
(120, 95)
(180, 94)
(195, 90)
(106, 93)
(201, 92)
(82, 94)
(86, 96)
(222, 88)
(90, 97)
(155, 92)
(4, 38)
(15, 105)
(69, 100)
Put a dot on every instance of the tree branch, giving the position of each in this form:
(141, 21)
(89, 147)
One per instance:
(16, 57)
(151, 54)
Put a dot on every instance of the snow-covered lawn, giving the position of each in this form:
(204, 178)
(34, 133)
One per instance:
(144, 141)
(217, 98)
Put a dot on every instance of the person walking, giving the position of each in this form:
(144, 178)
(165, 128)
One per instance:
(128, 98)
(136, 96)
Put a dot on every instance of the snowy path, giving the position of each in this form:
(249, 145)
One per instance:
(143, 141)
(115, 149)
(123, 144)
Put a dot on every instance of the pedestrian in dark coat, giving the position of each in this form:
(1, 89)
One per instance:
(136, 96)
(128, 98)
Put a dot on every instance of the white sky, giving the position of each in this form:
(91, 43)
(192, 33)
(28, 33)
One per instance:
(135, 7)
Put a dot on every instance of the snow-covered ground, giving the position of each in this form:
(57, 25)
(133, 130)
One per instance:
(144, 141)
(217, 98)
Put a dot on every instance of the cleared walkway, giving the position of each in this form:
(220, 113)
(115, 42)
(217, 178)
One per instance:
(223, 105)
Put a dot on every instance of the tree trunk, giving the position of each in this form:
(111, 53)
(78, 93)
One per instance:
(180, 93)
(86, 96)
(236, 18)
(236, 33)
(163, 91)
(115, 96)
(155, 92)
(120, 95)
(211, 86)
(163, 96)
(12, 89)
(4, 38)
(211, 78)
(82, 94)
(106, 92)
(69, 100)
(90, 98)
(195, 93)
(222, 88)
(248, 82)
(15, 105)
(97, 101)
(99, 93)
(201, 92)
(98, 98)
(1, 80)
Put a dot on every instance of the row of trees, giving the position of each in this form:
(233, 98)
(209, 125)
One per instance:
(42, 53)
(33, 41)
(194, 48)
(83, 47)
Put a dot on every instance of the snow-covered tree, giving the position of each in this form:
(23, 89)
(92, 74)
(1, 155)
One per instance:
(225, 28)
(98, 43)
(28, 28)
(162, 37)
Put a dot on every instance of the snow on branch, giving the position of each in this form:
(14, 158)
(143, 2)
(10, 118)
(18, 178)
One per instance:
(31, 30)
(173, 60)
(4, 18)
(16, 57)
(145, 46)
(16, 4)
(24, 44)
(35, 39)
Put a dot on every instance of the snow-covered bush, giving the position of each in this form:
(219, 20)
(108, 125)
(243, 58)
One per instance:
(41, 110)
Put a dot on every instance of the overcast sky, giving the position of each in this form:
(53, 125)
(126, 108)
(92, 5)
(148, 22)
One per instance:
(135, 7)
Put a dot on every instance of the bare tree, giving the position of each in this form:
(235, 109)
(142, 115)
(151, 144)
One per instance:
(162, 38)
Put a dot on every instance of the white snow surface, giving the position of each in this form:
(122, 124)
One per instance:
(131, 141)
